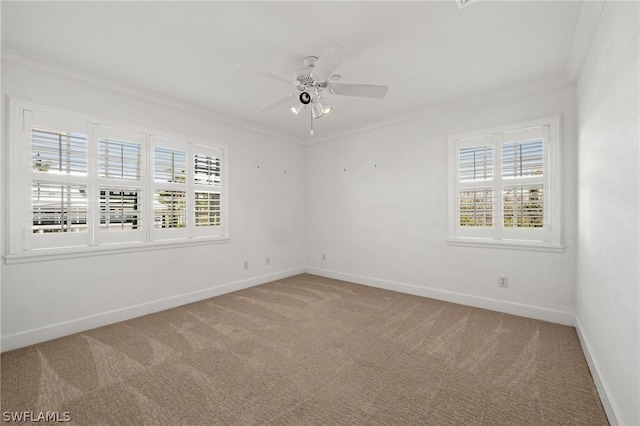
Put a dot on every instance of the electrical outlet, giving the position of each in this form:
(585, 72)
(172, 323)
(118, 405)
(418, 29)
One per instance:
(503, 281)
(246, 264)
(324, 257)
(267, 261)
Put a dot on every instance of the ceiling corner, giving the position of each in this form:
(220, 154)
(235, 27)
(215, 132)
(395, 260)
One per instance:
(586, 26)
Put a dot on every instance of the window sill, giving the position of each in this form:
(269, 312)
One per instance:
(506, 244)
(87, 251)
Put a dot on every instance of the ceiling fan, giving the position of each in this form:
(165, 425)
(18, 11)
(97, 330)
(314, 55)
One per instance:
(315, 80)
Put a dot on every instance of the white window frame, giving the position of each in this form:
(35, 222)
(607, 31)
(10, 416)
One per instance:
(25, 246)
(546, 238)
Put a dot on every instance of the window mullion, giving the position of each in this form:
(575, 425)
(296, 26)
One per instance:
(191, 210)
(146, 177)
(497, 186)
(93, 188)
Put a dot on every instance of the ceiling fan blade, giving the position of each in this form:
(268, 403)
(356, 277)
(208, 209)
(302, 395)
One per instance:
(281, 101)
(263, 73)
(332, 55)
(360, 90)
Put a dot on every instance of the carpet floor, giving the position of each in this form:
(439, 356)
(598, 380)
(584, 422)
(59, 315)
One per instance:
(308, 350)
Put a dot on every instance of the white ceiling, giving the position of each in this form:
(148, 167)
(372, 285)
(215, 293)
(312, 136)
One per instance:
(428, 53)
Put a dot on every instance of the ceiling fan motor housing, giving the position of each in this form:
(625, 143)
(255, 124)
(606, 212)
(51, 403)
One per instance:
(304, 76)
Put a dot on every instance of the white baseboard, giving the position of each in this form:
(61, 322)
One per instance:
(42, 334)
(529, 311)
(603, 390)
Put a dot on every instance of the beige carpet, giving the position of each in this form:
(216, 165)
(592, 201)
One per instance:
(310, 350)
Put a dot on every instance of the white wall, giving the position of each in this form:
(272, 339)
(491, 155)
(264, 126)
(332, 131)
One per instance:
(608, 280)
(267, 215)
(375, 204)
(377, 208)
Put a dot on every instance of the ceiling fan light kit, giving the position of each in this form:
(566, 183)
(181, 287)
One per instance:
(316, 79)
(324, 106)
(316, 110)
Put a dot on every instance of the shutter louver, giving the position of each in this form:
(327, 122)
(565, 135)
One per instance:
(119, 159)
(207, 208)
(523, 207)
(475, 163)
(206, 170)
(169, 165)
(522, 159)
(476, 207)
(119, 209)
(59, 208)
(170, 209)
(58, 152)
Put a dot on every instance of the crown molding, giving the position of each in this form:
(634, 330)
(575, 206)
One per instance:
(506, 94)
(588, 20)
(17, 59)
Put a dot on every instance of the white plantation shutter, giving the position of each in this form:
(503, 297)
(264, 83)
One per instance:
(170, 188)
(120, 159)
(525, 184)
(56, 151)
(59, 208)
(476, 207)
(169, 209)
(521, 159)
(502, 187)
(207, 168)
(120, 209)
(207, 187)
(474, 190)
(523, 206)
(120, 194)
(523, 172)
(207, 208)
(475, 167)
(188, 190)
(58, 211)
(170, 165)
(78, 186)
(475, 163)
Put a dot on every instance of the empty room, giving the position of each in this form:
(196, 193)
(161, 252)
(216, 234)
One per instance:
(316, 212)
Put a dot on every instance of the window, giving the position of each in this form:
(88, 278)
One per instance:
(504, 186)
(187, 189)
(102, 186)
